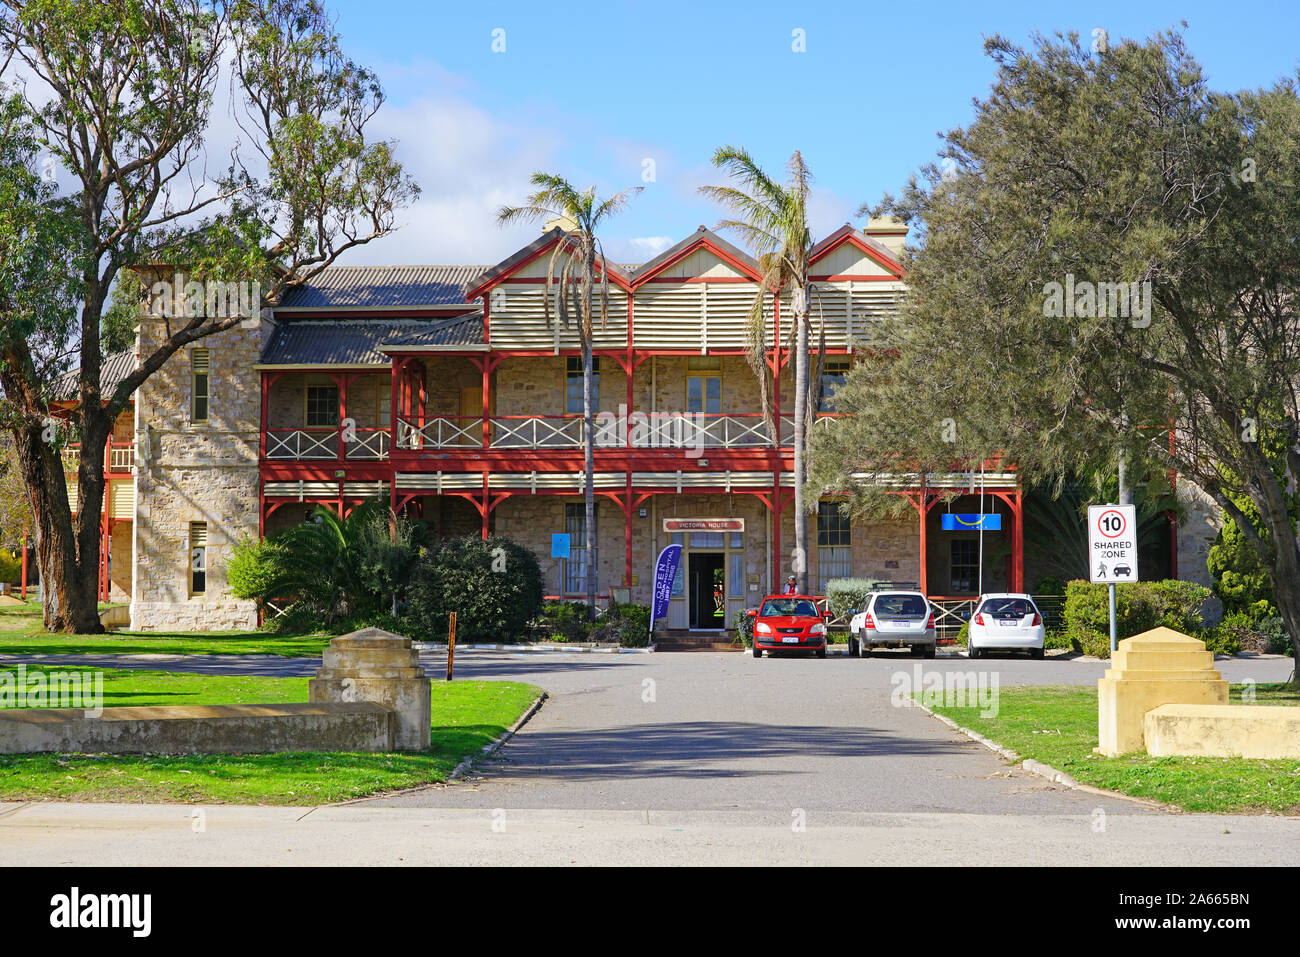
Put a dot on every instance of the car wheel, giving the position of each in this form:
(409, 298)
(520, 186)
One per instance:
(929, 651)
(972, 652)
(758, 652)
(917, 651)
(1038, 653)
(863, 647)
(821, 652)
(853, 647)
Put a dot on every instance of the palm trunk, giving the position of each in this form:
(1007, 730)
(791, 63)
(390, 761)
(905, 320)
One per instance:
(589, 466)
(800, 563)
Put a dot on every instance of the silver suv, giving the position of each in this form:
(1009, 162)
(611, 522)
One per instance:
(891, 619)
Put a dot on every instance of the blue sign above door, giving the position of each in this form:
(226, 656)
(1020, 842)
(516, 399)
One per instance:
(959, 522)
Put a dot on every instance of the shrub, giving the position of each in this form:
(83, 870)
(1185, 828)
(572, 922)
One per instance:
(253, 568)
(963, 633)
(844, 596)
(11, 568)
(493, 585)
(629, 624)
(1139, 607)
(563, 621)
(1256, 630)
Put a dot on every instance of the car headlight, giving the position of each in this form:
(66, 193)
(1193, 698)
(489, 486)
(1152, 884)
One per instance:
(817, 629)
(762, 628)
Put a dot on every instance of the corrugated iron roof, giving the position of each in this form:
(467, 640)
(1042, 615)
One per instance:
(359, 287)
(334, 342)
(112, 370)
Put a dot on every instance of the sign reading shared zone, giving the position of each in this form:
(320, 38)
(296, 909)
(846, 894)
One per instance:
(1112, 544)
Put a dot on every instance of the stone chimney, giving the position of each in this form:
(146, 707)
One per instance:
(889, 231)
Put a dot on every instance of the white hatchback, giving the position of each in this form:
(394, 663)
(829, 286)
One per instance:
(1006, 622)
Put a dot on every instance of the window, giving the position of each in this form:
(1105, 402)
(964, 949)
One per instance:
(322, 402)
(834, 372)
(704, 385)
(737, 576)
(384, 405)
(199, 385)
(834, 555)
(575, 566)
(198, 558)
(964, 565)
(679, 580)
(573, 383)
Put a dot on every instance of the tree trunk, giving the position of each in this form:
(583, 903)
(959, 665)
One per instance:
(589, 468)
(799, 562)
(69, 569)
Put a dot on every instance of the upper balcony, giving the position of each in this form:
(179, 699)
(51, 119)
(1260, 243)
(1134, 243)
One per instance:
(119, 457)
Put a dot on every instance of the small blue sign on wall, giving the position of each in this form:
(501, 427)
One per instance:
(559, 545)
(959, 522)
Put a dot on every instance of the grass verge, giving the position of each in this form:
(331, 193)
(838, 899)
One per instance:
(1058, 726)
(466, 716)
(21, 634)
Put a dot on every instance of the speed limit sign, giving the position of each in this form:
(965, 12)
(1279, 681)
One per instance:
(1112, 544)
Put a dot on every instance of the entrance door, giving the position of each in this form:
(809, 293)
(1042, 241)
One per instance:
(707, 590)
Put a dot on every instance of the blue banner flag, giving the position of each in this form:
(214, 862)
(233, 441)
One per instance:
(958, 522)
(665, 572)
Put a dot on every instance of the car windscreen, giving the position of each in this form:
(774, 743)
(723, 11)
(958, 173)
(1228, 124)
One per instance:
(789, 606)
(1008, 607)
(901, 606)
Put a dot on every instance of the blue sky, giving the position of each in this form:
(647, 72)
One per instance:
(593, 91)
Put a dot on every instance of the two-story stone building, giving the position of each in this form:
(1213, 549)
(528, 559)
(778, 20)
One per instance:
(444, 390)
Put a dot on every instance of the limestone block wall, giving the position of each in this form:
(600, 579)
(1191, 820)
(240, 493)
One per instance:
(1202, 519)
(189, 471)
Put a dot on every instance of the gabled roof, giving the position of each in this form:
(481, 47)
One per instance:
(538, 247)
(360, 342)
(701, 238)
(872, 247)
(112, 370)
(378, 287)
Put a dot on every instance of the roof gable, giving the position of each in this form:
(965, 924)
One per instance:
(869, 247)
(528, 254)
(702, 238)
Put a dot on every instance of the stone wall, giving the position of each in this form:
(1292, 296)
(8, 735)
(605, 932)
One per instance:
(1202, 519)
(189, 471)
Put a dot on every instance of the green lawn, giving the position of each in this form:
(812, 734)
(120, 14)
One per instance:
(21, 634)
(1058, 726)
(466, 716)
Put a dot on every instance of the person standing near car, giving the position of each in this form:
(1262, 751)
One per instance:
(791, 586)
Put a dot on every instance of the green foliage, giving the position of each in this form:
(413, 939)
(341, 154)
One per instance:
(1023, 203)
(11, 567)
(627, 624)
(117, 327)
(846, 596)
(330, 573)
(963, 633)
(493, 585)
(1258, 629)
(1139, 607)
(563, 621)
(1240, 578)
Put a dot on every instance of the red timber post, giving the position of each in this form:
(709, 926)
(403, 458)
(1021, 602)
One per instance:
(487, 506)
(261, 439)
(24, 585)
(342, 380)
(486, 368)
(104, 538)
(1019, 542)
(261, 508)
(627, 525)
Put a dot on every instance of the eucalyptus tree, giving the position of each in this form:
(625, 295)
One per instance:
(772, 219)
(581, 291)
(116, 97)
(1106, 270)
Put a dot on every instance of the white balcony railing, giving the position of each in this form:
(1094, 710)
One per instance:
(302, 443)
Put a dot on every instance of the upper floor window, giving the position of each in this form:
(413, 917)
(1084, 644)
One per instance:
(573, 383)
(322, 402)
(834, 372)
(704, 385)
(199, 385)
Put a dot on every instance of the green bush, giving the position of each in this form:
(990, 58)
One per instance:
(845, 596)
(253, 567)
(1049, 585)
(1139, 607)
(1256, 630)
(11, 568)
(493, 585)
(563, 621)
(628, 624)
(963, 633)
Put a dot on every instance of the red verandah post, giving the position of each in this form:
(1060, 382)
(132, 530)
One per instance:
(451, 644)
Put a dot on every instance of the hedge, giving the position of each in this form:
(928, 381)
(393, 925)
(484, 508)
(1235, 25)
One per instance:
(1139, 607)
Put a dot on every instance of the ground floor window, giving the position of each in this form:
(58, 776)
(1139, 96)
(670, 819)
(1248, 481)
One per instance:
(198, 558)
(834, 540)
(575, 566)
(964, 565)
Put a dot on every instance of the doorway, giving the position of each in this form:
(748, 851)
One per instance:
(707, 590)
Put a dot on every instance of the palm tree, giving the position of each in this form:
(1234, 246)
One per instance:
(772, 218)
(579, 214)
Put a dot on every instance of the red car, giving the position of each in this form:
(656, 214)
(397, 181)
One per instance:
(788, 623)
